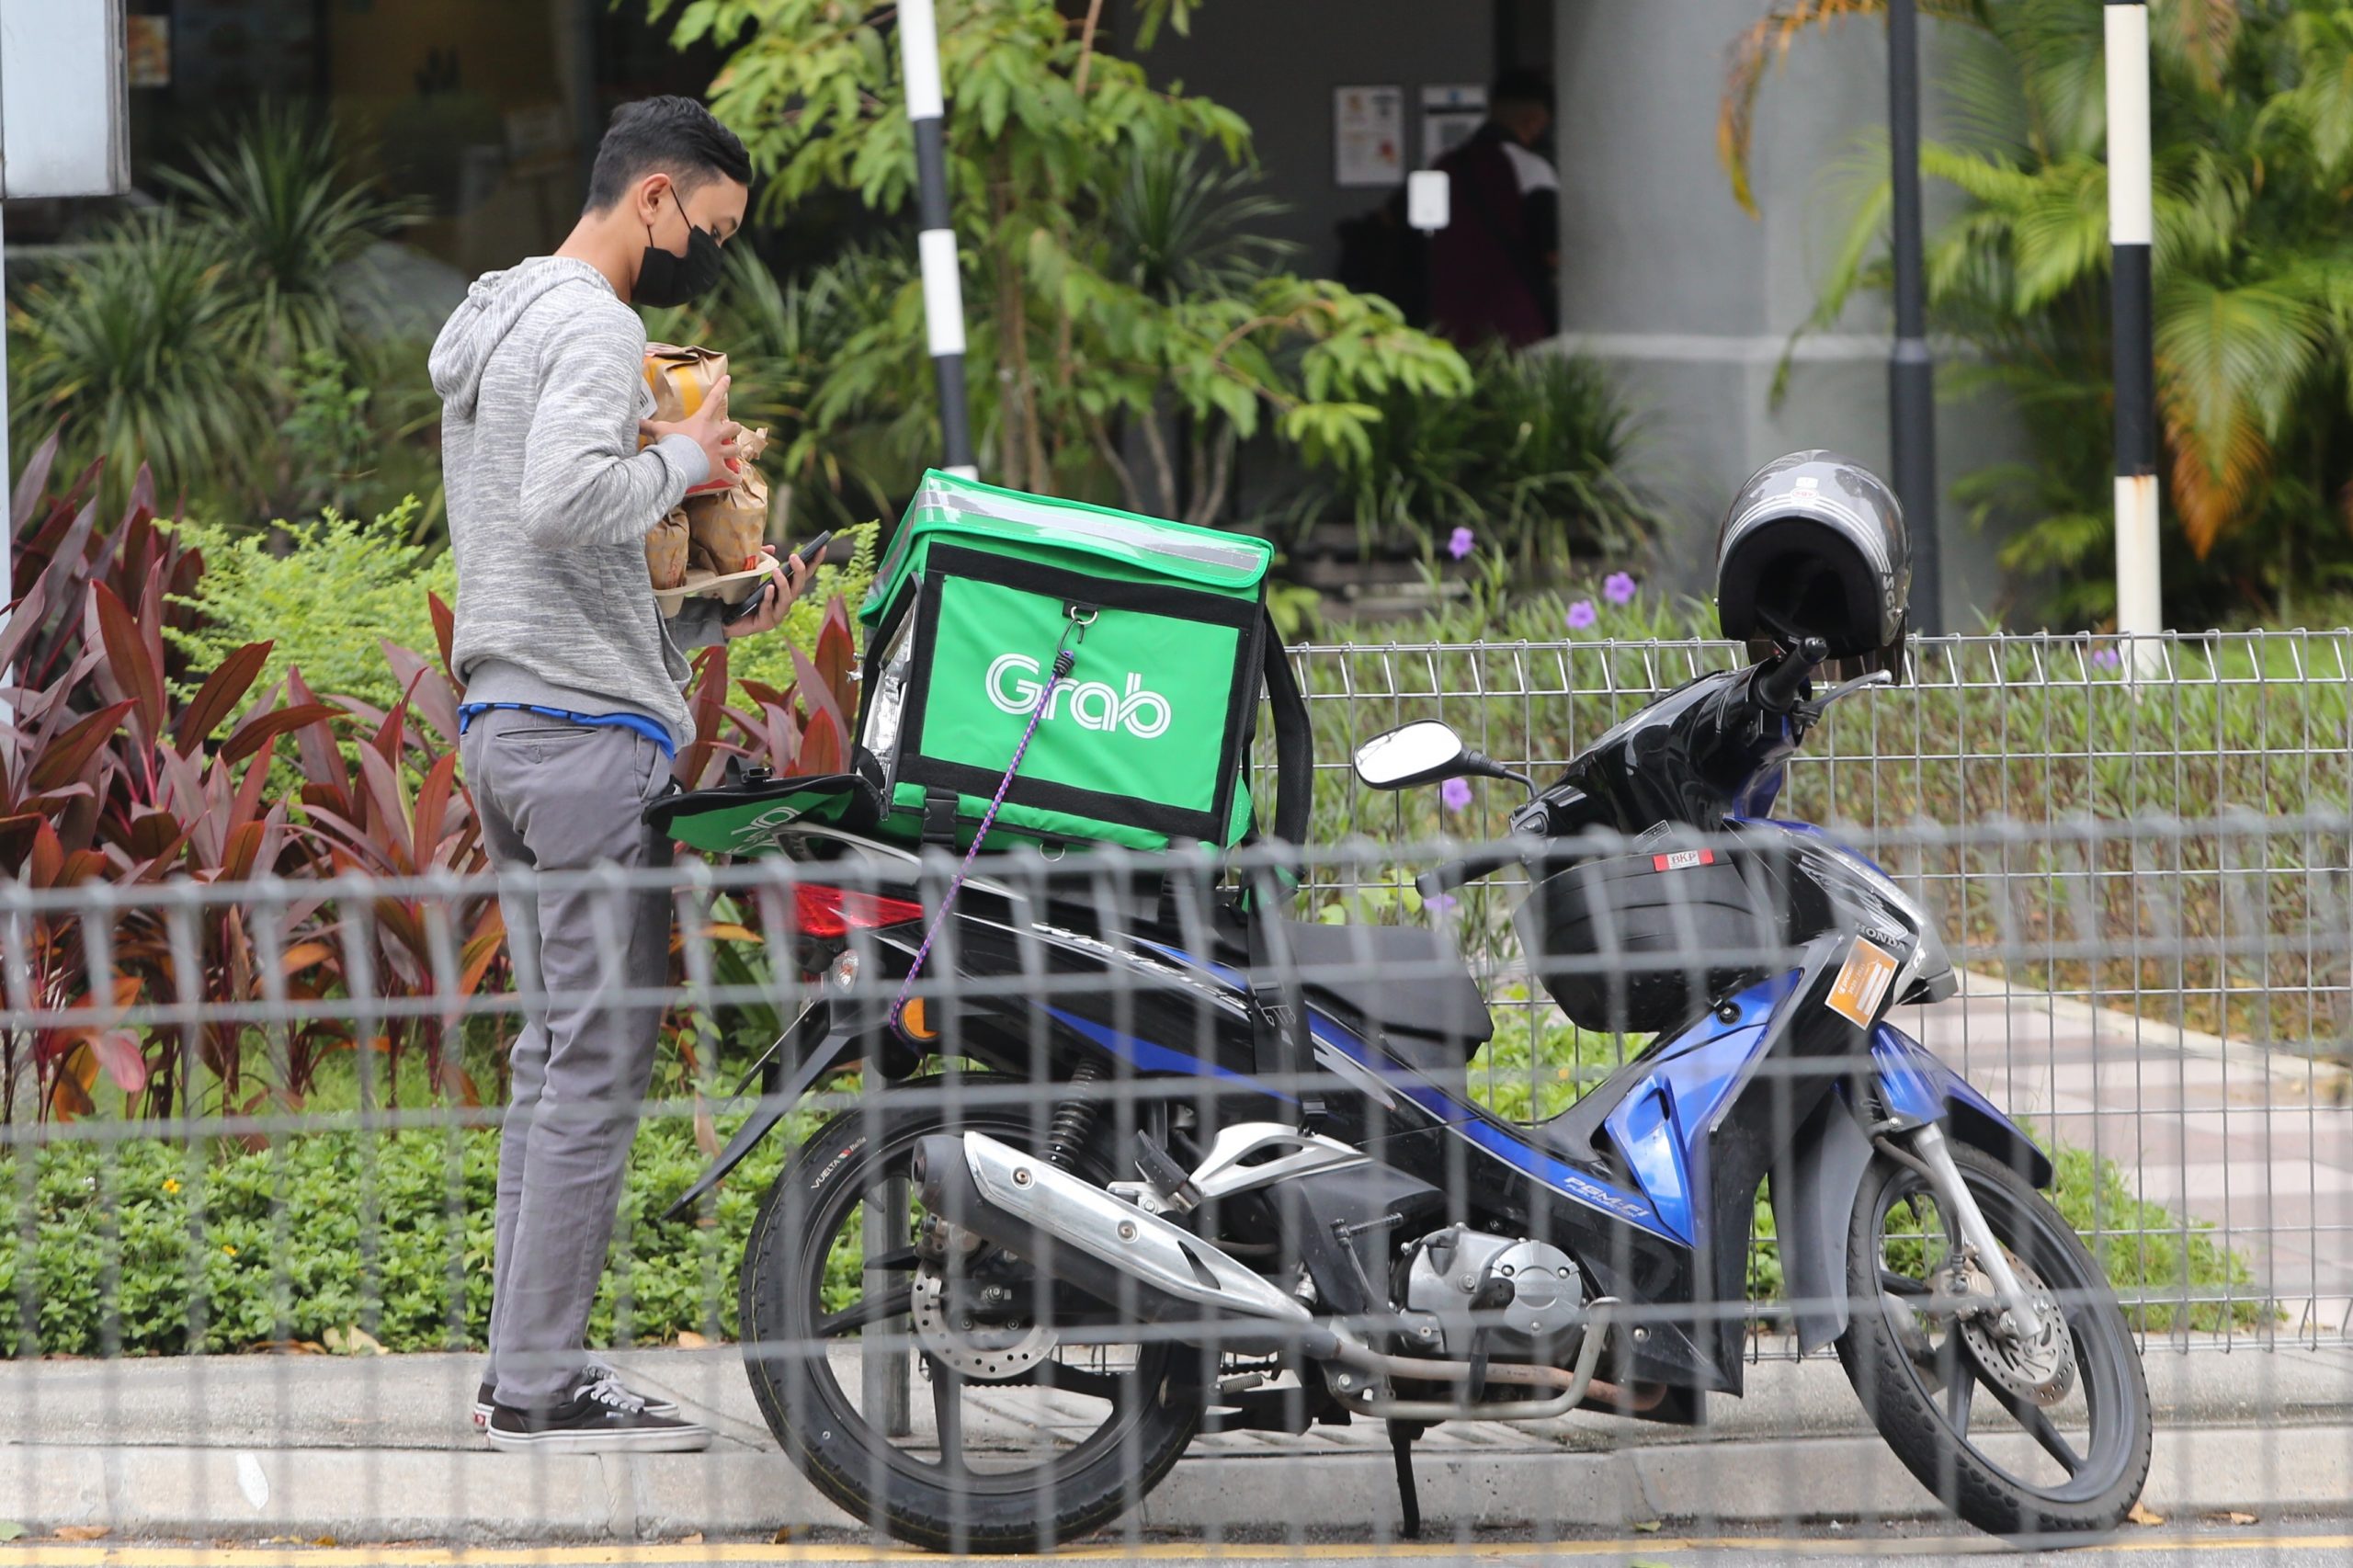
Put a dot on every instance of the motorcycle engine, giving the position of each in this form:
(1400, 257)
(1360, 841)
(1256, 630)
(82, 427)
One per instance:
(1466, 1291)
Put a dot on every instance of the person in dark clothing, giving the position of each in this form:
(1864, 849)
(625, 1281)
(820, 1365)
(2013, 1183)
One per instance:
(1492, 269)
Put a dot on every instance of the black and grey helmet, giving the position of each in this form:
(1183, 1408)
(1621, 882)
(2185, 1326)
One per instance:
(1815, 546)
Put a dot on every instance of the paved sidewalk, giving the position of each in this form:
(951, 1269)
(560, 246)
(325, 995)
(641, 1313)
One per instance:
(2257, 1143)
(379, 1448)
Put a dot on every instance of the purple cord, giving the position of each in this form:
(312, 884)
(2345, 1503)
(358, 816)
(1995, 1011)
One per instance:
(1064, 660)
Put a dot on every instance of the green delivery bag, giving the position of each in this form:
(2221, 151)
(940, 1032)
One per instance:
(1148, 739)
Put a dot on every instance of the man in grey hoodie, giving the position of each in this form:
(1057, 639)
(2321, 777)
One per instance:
(571, 715)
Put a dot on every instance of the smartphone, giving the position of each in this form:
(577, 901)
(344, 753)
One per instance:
(806, 554)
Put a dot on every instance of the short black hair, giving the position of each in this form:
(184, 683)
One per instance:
(1530, 88)
(666, 135)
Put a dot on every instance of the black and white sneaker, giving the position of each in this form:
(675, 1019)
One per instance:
(601, 1418)
(487, 1396)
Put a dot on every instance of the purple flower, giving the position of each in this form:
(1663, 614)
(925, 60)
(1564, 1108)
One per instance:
(1455, 794)
(1582, 615)
(1619, 587)
(2107, 658)
(1459, 543)
(1439, 904)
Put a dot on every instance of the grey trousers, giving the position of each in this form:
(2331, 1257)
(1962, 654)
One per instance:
(560, 797)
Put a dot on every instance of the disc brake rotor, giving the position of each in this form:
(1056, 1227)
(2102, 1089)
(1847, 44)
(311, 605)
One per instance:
(989, 1352)
(2039, 1364)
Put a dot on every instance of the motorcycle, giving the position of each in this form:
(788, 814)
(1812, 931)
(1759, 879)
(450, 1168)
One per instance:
(1296, 1214)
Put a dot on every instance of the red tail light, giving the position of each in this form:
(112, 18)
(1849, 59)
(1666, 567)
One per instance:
(833, 913)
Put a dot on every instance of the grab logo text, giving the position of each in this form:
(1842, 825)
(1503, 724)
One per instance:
(1012, 686)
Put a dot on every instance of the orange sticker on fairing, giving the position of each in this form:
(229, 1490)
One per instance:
(1861, 982)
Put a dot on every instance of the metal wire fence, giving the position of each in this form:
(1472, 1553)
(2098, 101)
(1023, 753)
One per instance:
(2158, 874)
(238, 1119)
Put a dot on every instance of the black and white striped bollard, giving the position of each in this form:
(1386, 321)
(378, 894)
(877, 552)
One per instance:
(943, 294)
(2139, 612)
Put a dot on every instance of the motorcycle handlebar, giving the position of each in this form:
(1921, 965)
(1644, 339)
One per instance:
(1779, 684)
(1440, 880)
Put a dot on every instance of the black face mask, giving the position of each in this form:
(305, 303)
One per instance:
(665, 278)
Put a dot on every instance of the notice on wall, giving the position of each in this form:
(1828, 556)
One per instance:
(1369, 136)
(1451, 115)
(147, 51)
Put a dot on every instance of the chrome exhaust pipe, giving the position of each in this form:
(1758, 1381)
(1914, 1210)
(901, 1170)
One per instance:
(1137, 1262)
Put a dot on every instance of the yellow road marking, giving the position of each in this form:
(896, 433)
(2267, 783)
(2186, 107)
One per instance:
(31, 1554)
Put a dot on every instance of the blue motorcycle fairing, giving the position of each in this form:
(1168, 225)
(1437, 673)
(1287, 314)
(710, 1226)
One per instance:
(1918, 1088)
(1808, 830)
(1477, 1125)
(1661, 1126)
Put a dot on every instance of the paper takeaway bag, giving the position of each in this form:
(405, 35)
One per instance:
(726, 528)
(681, 380)
(667, 546)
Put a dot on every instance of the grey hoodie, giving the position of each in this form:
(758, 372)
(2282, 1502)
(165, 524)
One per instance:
(541, 377)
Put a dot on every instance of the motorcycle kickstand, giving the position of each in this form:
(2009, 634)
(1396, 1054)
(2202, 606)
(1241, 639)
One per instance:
(1409, 1501)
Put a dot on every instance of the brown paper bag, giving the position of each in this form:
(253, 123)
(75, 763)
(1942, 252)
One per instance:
(681, 378)
(667, 546)
(727, 529)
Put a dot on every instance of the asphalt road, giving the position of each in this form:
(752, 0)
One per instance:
(2297, 1543)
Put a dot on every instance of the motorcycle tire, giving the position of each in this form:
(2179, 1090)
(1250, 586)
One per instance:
(1077, 1493)
(1888, 1354)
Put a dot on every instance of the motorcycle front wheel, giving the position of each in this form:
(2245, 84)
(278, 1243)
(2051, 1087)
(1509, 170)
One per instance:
(2018, 1439)
(982, 1430)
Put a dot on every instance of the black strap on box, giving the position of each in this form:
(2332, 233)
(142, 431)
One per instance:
(1278, 1033)
(939, 817)
(1294, 779)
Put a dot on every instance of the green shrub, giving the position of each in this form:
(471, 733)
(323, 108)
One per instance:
(133, 349)
(328, 604)
(142, 1246)
(1532, 458)
(138, 1246)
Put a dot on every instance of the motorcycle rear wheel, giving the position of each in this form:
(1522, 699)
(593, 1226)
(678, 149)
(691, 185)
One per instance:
(935, 1489)
(2029, 1471)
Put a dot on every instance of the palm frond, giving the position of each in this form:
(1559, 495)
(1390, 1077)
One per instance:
(2321, 101)
(281, 196)
(132, 350)
(1765, 44)
(2199, 33)
(1185, 225)
(2229, 361)
(2060, 49)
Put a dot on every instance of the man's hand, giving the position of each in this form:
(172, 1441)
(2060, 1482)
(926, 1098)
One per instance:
(707, 426)
(786, 583)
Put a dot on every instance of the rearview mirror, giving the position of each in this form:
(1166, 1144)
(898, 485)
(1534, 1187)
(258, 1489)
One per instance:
(1420, 752)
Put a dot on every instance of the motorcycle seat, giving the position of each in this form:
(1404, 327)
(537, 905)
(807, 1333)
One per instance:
(1404, 978)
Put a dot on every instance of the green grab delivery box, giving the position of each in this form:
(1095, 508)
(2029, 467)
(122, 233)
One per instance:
(1148, 739)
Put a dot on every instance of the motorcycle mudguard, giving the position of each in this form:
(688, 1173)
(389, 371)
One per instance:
(808, 1049)
(1825, 1168)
